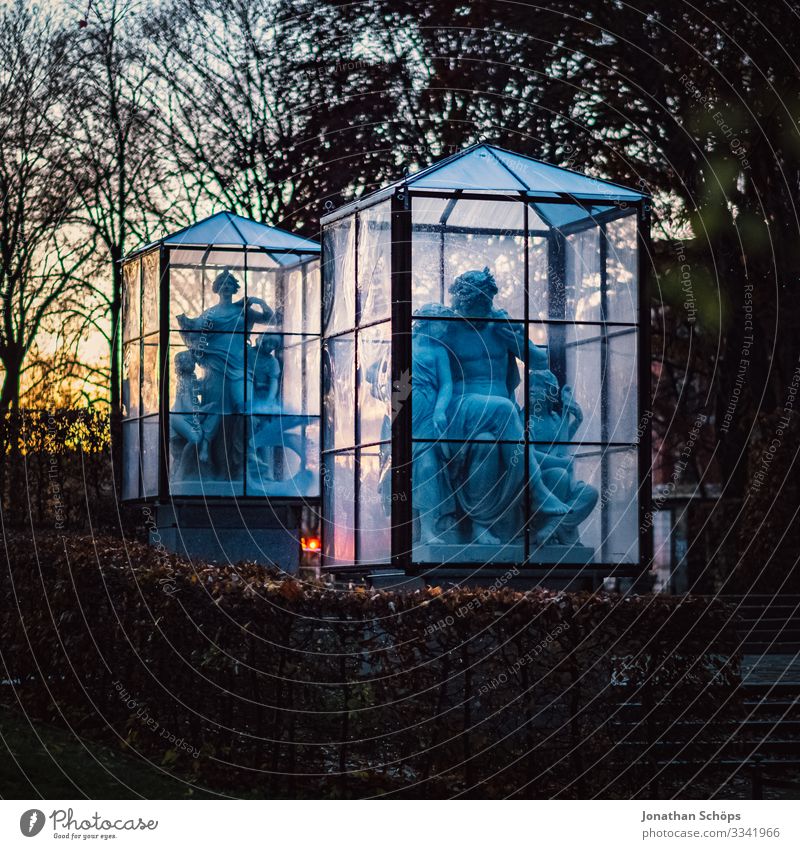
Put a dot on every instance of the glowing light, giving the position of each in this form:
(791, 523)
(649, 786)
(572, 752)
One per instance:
(311, 543)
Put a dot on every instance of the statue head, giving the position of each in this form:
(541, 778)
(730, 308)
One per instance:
(473, 292)
(184, 363)
(433, 329)
(544, 386)
(268, 343)
(226, 281)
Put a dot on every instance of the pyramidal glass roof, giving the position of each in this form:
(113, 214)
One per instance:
(487, 168)
(226, 229)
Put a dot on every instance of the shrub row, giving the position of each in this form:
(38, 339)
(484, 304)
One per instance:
(260, 685)
(57, 471)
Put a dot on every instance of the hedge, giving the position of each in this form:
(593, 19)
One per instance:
(57, 471)
(252, 684)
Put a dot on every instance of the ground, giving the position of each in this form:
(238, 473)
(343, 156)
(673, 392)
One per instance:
(39, 761)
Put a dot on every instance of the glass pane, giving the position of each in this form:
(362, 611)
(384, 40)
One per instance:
(186, 373)
(564, 490)
(622, 270)
(466, 376)
(150, 375)
(283, 456)
(538, 282)
(582, 276)
(375, 383)
(476, 235)
(206, 454)
(292, 313)
(375, 505)
(427, 258)
(313, 283)
(269, 286)
(428, 210)
(622, 520)
(150, 293)
(375, 262)
(150, 456)
(487, 214)
(186, 290)
(467, 502)
(208, 369)
(601, 385)
(131, 295)
(338, 494)
(581, 370)
(261, 259)
(611, 529)
(194, 303)
(285, 374)
(338, 274)
(131, 352)
(621, 384)
(130, 459)
(339, 392)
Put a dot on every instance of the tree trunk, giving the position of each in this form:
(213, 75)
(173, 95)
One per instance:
(9, 395)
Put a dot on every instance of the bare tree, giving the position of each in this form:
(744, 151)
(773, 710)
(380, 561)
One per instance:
(273, 105)
(113, 155)
(39, 260)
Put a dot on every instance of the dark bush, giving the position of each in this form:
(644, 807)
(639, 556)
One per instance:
(57, 471)
(253, 684)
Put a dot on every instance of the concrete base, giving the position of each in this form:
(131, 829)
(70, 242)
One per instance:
(394, 581)
(229, 532)
(451, 554)
(514, 578)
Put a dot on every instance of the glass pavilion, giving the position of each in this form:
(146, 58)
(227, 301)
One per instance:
(485, 362)
(221, 364)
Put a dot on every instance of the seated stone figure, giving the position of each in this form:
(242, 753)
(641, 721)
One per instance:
(187, 435)
(271, 429)
(551, 426)
(485, 474)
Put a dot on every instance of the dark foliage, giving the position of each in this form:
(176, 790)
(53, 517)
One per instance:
(239, 679)
(56, 471)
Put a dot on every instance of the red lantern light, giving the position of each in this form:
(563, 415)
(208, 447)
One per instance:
(311, 543)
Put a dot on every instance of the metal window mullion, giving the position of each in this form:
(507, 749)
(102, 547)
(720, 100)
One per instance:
(401, 506)
(356, 401)
(557, 294)
(643, 352)
(163, 364)
(245, 352)
(604, 359)
(526, 434)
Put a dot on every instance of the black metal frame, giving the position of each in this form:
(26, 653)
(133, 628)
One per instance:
(401, 200)
(165, 329)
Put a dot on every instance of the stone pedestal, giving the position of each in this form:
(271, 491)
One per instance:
(228, 533)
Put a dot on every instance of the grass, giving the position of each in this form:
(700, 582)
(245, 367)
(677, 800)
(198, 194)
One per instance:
(40, 761)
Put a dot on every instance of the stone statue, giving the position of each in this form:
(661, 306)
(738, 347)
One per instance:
(431, 397)
(486, 475)
(550, 427)
(186, 426)
(227, 366)
(270, 428)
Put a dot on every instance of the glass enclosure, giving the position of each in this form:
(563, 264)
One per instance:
(230, 362)
(356, 357)
(140, 345)
(481, 358)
